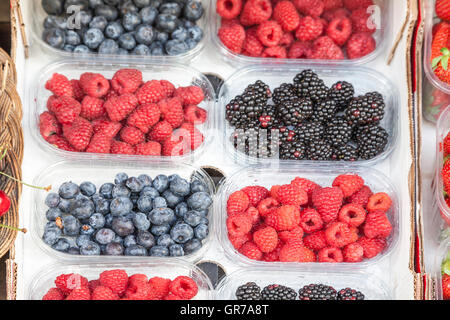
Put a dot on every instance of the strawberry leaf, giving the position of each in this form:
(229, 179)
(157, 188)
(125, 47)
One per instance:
(435, 62)
(444, 63)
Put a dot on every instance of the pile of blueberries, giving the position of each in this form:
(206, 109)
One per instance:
(123, 27)
(134, 216)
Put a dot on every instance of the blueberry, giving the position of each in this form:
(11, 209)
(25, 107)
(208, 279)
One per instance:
(72, 38)
(71, 226)
(51, 225)
(95, 3)
(82, 207)
(134, 184)
(52, 200)
(156, 3)
(53, 213)
(104, 236)
(112, 3)
(129, 240)
(101, 206)
(90, 248)
(114, 249)
(171, 8)
(127, 6)
(176, 47)
(68, 190)
(93, 38)
(160, 230)
(83, 239)
(53, 6)
(127, 41)
(142, 3)
(162, 37)
(130, 215)
(64, 205)
(204, 213)
(85, 18)
(173, 177)
(122, 226)
(188, 23)
(159, 202)
(193, 10)
(82, 4)
(145, 239)
(61, 245)
(179, 34)
(99, 22)
(108, 46)
(195, 33)
(121, 191)
(144, 204)
(110, 13)
(81, 49)
(182, 233)
(192, 246)
(159, 251)
(55, 22)
(176, 250)
(120, 178)
(120, 206)
(157, 48)
(204, 220)
(148, 15)
(108, 220)
(180, 187)
(166, 22)
(149, 191)
(118, 239)
(199, 201)
(68, 48)
(181, 209)
(97, 221)
(114, 30)
(144, 34)
(160, 216)
(73, 251)
(201, 231)
(141, 221)
(192, 218)
(172, 199)
(141, 50)
(105, 190)
(122, 52)
(51, 236)
(165, 240)
(88, 188)
(131, 20)
(198, 186)
(135, 250)
(161, 183)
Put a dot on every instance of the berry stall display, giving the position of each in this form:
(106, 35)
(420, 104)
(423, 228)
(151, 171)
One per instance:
(298, 29)
(122, 115)
(133, 216)
(305, 222)
(113, 27)
(117, 285)
(307, 120)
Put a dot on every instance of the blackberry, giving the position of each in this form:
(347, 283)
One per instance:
(366, 109)
(286, 135)
(372, 141)
(342, 92)
(350, 294)
(317, 292)
(295, 112)
(285, 92)
(248, 291)
(278, 292)
(324, 110)
(319, 150)
(269, 118)
(308, 84)
(338, 132)
(295, 150)
(310, 131)
(346, 153)
(254, 143)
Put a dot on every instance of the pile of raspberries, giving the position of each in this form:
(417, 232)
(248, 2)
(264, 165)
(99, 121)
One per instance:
(116, 285)
(304, 222)
(124, 115)
(297, 29)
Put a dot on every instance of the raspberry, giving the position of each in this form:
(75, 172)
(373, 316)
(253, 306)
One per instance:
(252, 46)
(60, 142)
(239, 224)
(94, 84)
(339, 234)
(78, 133)
(119, 147)
(348, 183)
(316, 240)
(339, 30)
(229, 9)
(356, 4)
(287, 39)
(131, 135)
(266, 206)
(195, 115)
(159, 287)
(92, 108)
(126, 81)
(328, 202)
(377, 225)
(353, 252)
(190, 95)
(172, 111)
(51, 102)
(274, 191)
(238, 240)
(332, 4)
(118, 108)
(251, 251)
(312, 8)
(361, 21)
(116, 280)
(295, 234)
(68, 282)
(336, 13)
(295, 252)
(361, 197)
(53, 294)
(285, 218)
(310, 220)
(110, 95)
(325, 48)
(138, 290)
(232, 37)
(92, 284)
(292, 195)
(178, 144)
(266, 239)
(79, 294)
(168, 88)
(237, 202)
(274, 255)
(104, 293)
(300, 50)
(151, 148)
(78, 92)
(359, 45)
(352, 214)
(255, 12)
(172, 296)
(160, 132)
(309, 29)
(330, 255)
(60, 86)
(150, 92)
(48, 125)
(66, 109)
(305, 184)
(269, 33)
(108, 128)
(144, 117)
(372, 247)
(379, 202)
(100, 143)
(138, 277)
(286, 15)
(255, 194)
(276, 52)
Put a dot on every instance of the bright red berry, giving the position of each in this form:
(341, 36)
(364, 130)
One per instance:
(150, 148)
(159, 287)
(352, 214)
(48, 125)
(168, 88)
(239, 224)
(100, 143)
(295, 234)
(255, 194)
(66, 109)
(266, 206)
(68, 282)
(60, 86)
(195, 115)
(116, 280)
(286, 15)
(359, 45)
(118, 108)
(60, 142)
(361, 21)
(353, 252)
(131, 135)
(104, 293)
(79, 294)
(266, 239)
(276, 52)
(269, 33)
(151, 92)
(312, 8)
(300, 50)
(252, 46)
(144, 117)
(348, 183)
(330, 255)
(256, 12)
(310, 220)
(285, 218)
(332, 4)
(229, 9)
(177, 144)
(78, 133)
(446, 286)
(108, 128)
(377, 225)
(339, 30)
(251, 251)
(356, 4)
(172, 111)
(53, 294)
(232, 37)
(328, 202)
(316, 240)
(92, 108)
(191, 95)
(94, 84)
(78, 92)
(160, 131)
(325, 48)
(120, 147)
(372, 247)
(379, 202)
(296, 252)
(361, 197)
(292, 195)
(339, 234)
(309, 29)
(237, 202)
(126, 81)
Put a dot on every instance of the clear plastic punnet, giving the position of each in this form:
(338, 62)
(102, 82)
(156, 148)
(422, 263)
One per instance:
(44, 279)
(177, 74)
(364, 81)
(370, 285)
(99, 173)
(270, 175)
(442, 129)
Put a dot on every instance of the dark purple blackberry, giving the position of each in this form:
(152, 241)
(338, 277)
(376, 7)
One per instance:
(278, 292)
(372, 141)
(294, 112)
(345, 153)
(319, 150)
(310, 131)
(286, 135)
(324, 110)
(338, 132)
(342, 92)
(295, 150)
(256, 143)
(285, 92)
(269, 118)
(307, 84)
(366, 109)
(317, 292)
(349, 294)
(248, 291)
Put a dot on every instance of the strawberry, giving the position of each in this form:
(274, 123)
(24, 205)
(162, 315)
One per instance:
(60, 86)
(118, 108)
(348, 183)
(440, 53)
(78, 133)
(328, 202)
(126, 81)
(48, 125)
(255, 194)
(144, 117)
(160, 132)
(446, 144)
(443, 9)
(446, 287)
(150, 148)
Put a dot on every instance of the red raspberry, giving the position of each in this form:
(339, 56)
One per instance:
(255, 12)
(168, 88)
(138, 277)
(300, 50)
(269, 33)
(51, 102)
(100, 143)
(266, 239)
(274, 191)
(60, 142)
(190, 95)
(325, 48)
(92, 284)
(309, 29)
(195, 115)
(287, 39)
(138, 290)
(361, 197)
(177, 144)
(312, 8)
(348, 183)
(239, 224)
(60, 86)
(193, 136)
(131, 135)
(68, 282)
(229, 9)
(295, 234)
(353, 252)
(285, 218)
(172, 296)
(239, 240)
(126, 81)
(328, 202)
(356, 4)
(78, 92)
(274, 255)
(310, 220)
(330, 255)
(266, 206)
(339, 30)
(108, 128)
(359, 45)
(253, 213)
(293, 195)
(94, 84)
(255, 194)
(48, 125)
(379, 202)
(237, 202)
(144, 117)
(79, 294)
(361, 21)
(159, 287)
(232, 37)
(160, 132)
(332, 4)
(110, 95)
(104, 293)
(172, 111)
(286, 14)
(53, 294)
(305, 184)
(184, 287)
(66, 109)
(151, 92)
(295, 252)
(78, 133)
(252, 46)
(251, 251)
(276, 52)
(92, 108)
(377, 226)
(316, 240)
(352, 214)
(116, 280)
(118, 108)
(340, 13)
(150, 148)
(339, 234)
(372, 247)
(119, 147)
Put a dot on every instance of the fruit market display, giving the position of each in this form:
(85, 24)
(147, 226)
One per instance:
(445, 271)
(116, 27)
(306, 120)
(297, 29)
(251, 291)
(440, 52)
(305, 222)
(123, 115)
(134, 216)
(117, 285)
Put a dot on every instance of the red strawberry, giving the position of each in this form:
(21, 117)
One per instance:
(255, 194)
(359, 45)
(108, 128)
(372, 247)
(100, 143)
(118, 108)
(92, 108)
(328, 201)
(232, 37)
(330, 255)
(144, 117)
(296, 252)
(255, 12)
(126, 81)
(446, 144)
(348, 183)
(94, 84)
(131, 135)
(285, 218)
(151, 92)
(237, 202)
(78, 133)
(60, 86)
(286, 14)
(48, 125)
(116, 280)
(377, 225)
(269, 33)
(266, 239)
(172, 111)
(60, 142)
(66, 109)
(353, 252)
(119, 147)
(309, 29)
(160, 132)
(194, 114)
(442, 8)
(190, 95)
(150, 148)
(251, 251)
